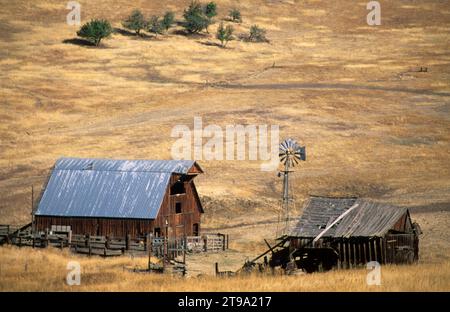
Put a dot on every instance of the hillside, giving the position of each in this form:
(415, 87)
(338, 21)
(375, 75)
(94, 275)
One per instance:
(373, 125)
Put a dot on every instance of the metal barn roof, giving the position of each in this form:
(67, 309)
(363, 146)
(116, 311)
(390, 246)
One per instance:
(108, 188)
(367, 219)
(168, 166)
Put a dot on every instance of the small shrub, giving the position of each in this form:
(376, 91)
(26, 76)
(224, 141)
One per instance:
(168, 20)
(135, 22)
(235, 15)
(95, 31)
(195, 18)
(155, 25)
(257, 34)
(224, 34)
(211, 9)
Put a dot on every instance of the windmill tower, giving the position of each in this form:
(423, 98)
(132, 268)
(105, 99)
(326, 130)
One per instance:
(290, 154)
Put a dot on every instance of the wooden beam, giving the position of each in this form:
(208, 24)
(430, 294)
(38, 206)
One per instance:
(383, 251)
(365, 252)
(359, 253)
(349, 253)
(340, 255)
(345, 254)
(375, 243)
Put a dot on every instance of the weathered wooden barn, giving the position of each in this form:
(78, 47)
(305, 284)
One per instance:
(358, 230)
(121, 197)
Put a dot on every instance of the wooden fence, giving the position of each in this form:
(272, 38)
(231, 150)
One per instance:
(113, 246)
(6, 231)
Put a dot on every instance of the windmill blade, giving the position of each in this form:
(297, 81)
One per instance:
(291, 153)
(291, 162)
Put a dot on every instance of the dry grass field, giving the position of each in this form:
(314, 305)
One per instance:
(373, 125)
(37, 270)
(26, 269)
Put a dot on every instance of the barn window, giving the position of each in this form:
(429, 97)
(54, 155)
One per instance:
(177, 207)
(177, 188)
(157, 232)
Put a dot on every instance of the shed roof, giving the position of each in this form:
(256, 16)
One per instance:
(367, 219)
(108, 188)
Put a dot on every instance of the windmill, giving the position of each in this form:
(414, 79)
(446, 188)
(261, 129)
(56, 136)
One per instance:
(290, 154)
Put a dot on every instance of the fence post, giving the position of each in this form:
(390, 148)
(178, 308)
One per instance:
(46, 238)
(165, 253)
(8, 238)
(177, 244)
(223, 242)
(69, 238)
(128, 242)
(149, 238)
(89, 244)
(184, 254)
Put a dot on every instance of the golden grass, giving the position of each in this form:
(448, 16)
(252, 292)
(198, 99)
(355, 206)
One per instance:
(35, 270)
(29, 269)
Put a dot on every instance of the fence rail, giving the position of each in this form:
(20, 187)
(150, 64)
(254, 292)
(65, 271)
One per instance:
(113, 246)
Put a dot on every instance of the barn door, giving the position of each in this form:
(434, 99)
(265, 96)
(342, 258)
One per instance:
(195, 229)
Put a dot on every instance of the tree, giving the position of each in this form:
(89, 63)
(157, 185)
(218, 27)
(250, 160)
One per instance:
(224, 34)
(95, 30)
(235, 15)
(211, 10)
(154, 25)
(135, 22)
(168, 20)
(195, 18)
(257, 34)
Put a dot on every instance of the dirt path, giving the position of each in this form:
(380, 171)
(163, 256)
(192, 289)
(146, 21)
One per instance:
(329, 86)
(164, 115)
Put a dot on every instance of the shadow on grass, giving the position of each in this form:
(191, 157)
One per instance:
(79, 42)
(128, 33)
(211, 44)
(183, 32)
(229, 19)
